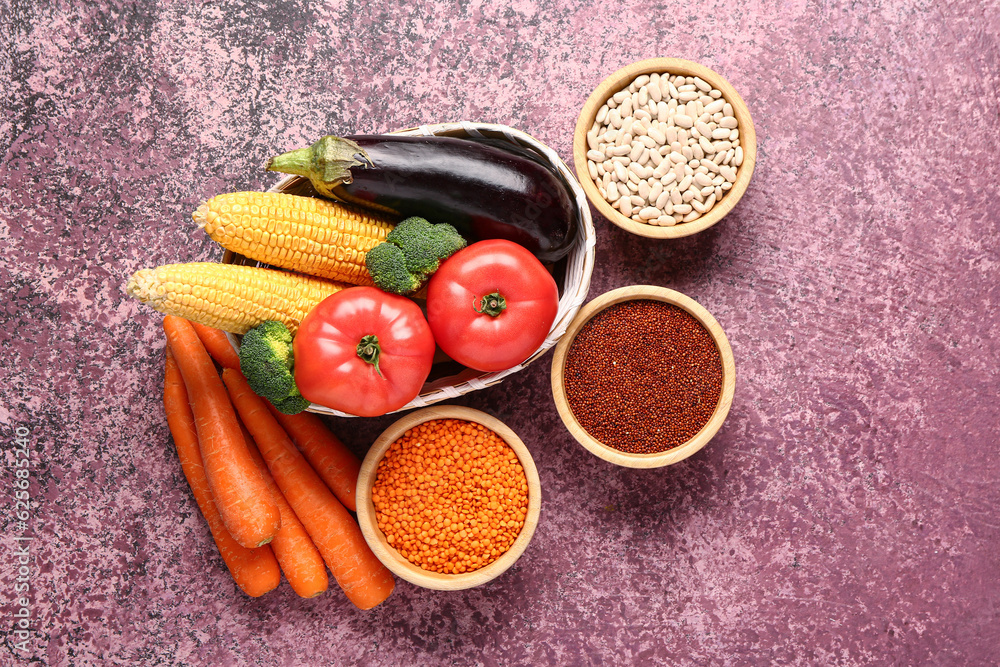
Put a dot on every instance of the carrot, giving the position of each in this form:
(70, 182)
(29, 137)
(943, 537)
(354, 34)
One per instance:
(327, 455)
(218, 345)
(242, 497)
(254, 570)
(364, 579)
(296, 553)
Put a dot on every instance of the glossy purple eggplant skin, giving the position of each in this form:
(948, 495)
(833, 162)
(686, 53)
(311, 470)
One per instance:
(485, 192)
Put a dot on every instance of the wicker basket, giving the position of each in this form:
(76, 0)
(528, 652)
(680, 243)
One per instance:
(576, 268)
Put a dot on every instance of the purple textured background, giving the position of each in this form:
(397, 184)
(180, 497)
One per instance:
(846, 513)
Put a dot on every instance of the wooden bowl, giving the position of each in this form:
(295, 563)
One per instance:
(621, 79)
(700, 439)
(376, 538)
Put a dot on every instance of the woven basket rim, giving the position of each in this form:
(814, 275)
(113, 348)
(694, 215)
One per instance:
(579, 266)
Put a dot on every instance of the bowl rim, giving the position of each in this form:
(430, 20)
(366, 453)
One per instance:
(614, 83)
(376, 538)
(680, 452)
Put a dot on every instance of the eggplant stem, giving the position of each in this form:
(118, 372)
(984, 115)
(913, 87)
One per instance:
(327, 163)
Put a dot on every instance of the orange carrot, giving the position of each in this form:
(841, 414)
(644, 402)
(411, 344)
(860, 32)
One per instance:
(254, 570)
(334, 531)
(218, 345)
(296, 553)
(242, 497)
(327, 455)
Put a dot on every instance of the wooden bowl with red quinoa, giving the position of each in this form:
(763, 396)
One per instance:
(643, 377)
(443, 465)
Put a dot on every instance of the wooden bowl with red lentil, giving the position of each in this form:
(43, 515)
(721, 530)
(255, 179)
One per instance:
(644, 377)
(448, 497)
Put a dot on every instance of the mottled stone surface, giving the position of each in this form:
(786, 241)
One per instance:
(845, 514)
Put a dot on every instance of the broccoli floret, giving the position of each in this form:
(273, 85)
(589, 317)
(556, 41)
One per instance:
(411, 252)
(424, 244)
(266, 361)
(387, 265)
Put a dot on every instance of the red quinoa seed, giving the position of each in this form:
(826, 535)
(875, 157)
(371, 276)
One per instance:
(643, 376)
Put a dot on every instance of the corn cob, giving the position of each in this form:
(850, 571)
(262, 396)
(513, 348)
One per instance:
(306, 234)
(228, 296)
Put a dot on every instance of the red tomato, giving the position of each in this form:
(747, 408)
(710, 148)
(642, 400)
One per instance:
(491, 305)
(363, 352)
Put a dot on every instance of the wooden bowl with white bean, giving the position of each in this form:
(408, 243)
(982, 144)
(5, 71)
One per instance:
(664, 148)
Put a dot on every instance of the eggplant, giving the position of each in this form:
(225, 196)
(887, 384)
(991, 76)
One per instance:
(484, 191)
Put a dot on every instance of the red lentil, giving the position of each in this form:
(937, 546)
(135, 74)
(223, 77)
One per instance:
(643, 376)
(450, 496)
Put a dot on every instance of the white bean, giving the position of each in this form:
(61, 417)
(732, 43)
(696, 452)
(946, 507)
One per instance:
(649, 213)
(715, 106)
(655, 190)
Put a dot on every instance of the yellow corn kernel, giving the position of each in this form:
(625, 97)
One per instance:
(315, 236)
(230, 297)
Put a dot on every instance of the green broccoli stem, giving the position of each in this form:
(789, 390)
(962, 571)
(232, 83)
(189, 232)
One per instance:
(369, 350)
(492, 305)
(327, 163)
